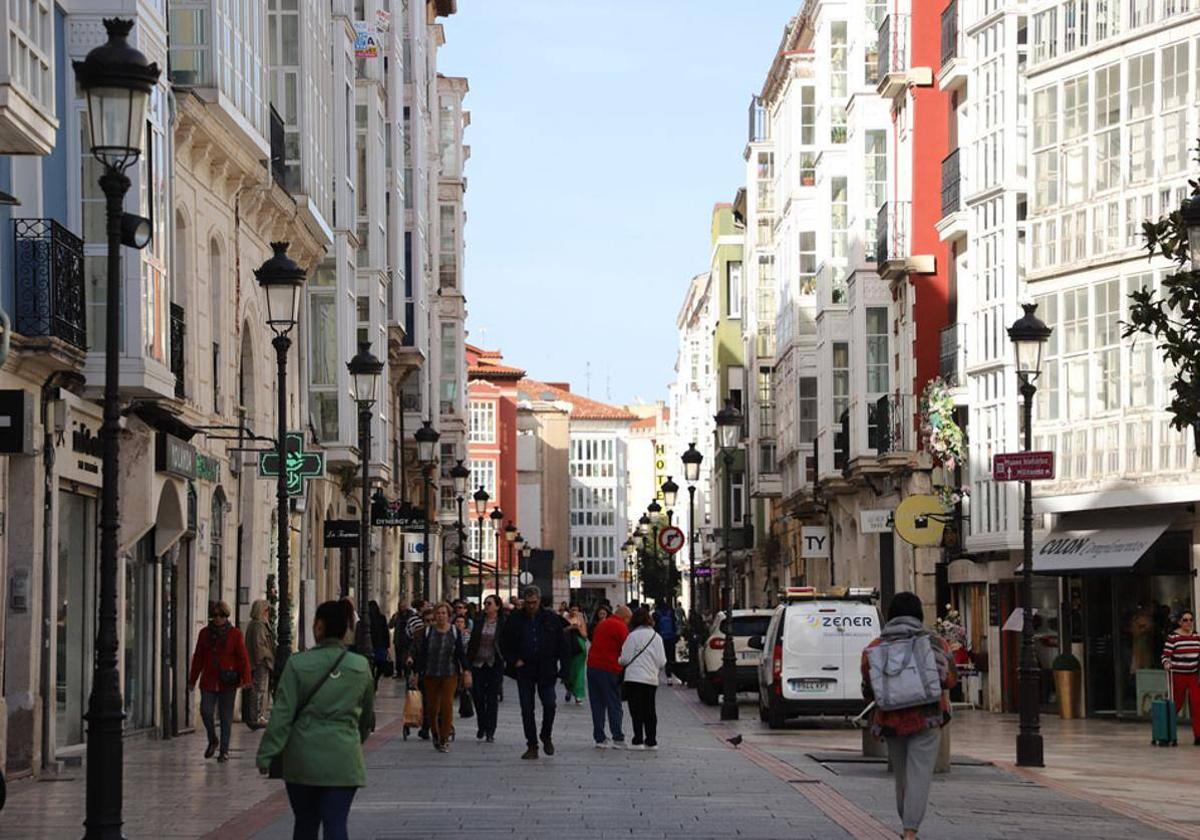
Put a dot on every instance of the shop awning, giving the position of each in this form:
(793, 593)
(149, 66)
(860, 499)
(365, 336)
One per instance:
(1116, 548)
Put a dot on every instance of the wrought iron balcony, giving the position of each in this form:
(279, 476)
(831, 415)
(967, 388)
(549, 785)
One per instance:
(278, 149)
(894, 255)
(952, 356)
(894, 55)
(890, 424)
(178, 331)
(49, 281)
(950, 39)
(950, 184)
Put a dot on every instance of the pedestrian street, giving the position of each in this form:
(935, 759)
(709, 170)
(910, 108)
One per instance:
(696, 786)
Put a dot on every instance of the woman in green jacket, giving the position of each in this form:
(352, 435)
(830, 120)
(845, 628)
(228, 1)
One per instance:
(324, 709)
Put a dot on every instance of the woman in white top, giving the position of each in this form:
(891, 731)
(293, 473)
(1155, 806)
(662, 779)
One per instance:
(643, 658)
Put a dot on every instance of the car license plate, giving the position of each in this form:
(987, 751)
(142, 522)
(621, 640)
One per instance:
(747, 654)
(810, 685)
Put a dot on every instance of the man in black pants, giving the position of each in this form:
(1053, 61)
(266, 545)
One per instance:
(535, 651)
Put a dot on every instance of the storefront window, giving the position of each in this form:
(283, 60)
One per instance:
(75, 614)
(139, 635)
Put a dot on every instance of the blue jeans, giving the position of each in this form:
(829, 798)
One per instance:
(485, 686)
(526, 688)
(604, 695)
(317, 808)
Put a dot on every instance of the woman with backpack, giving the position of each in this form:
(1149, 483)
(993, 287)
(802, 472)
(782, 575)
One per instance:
(643, 658)
(906, 672)
(324, 710)
(221, 665)
(442, 662)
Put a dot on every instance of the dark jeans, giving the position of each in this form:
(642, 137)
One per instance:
(317, 808)
(604, 695)
(669, 649)
(643, 712)
(485, 689)
(211, 701)
(526, 688)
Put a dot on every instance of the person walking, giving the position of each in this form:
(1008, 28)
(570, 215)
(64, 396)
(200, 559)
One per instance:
(1181, 660)
(667, 626)
(534, 649)
(642, 657)
(221, 665)
(487, 667)
(401, 641)
(604, 678)
(260, 646)
(602, 611)
(912, 732)
(418, 627)
(380, 641)
(324, 710)
(441, 663)
(575, 678)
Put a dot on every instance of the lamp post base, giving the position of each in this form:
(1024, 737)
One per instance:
(729, 712)
(1029, 750)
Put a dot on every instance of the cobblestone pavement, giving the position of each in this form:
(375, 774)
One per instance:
(776, 785)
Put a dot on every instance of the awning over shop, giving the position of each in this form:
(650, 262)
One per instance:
(1116, 548)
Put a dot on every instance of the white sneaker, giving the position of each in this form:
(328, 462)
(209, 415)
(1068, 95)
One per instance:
(650, 747)
(618, 745)
(603, 745)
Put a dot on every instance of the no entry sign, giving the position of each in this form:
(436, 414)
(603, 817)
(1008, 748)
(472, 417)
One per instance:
(671, 539)
(1023, 466)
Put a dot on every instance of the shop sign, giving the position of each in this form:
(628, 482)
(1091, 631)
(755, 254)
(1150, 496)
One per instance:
(341, 533)
(875, 521)
(85, 442)
(299, 465)
(397, 515)
(814, 542)
(575, 579)
(174, 456)
(993, 596)
(1023, 466)
(366, 41)
(208, 469)
(414, 548)
(704, 571)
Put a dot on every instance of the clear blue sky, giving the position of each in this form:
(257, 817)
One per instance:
(602, 133)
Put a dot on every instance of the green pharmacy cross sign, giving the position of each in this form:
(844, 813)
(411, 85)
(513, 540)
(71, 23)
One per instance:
(299, 465)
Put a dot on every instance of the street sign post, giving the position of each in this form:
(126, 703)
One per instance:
(671, 539)
(299, 467)
(1023, 466)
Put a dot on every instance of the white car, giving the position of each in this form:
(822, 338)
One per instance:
(710, 685)
(812, 654)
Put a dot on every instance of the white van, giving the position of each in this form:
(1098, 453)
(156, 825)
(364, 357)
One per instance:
(812, 654)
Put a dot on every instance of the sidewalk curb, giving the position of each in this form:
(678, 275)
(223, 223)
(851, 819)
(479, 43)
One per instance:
(268, 811)
(1146, 818)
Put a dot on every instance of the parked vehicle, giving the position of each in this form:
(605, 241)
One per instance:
(746, 625)
(812, 654)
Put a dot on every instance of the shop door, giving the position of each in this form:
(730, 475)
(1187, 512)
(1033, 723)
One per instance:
(184, 611)
(1099, 655)
(140, 637)
(75, 614)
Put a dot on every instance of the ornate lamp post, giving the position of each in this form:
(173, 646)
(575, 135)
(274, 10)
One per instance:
(497, 517)
(729, 428)
(481, 497)
(365, 371)
(526, 553)
(427, 438)
(461, 475)
(1029, 336)
(691, 474)
(510, 536)
(117, 80)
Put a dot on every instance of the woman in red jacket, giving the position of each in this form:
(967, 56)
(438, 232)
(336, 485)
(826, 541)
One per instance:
(222, 666)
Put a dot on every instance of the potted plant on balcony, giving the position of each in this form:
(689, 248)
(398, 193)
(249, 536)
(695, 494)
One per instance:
(1068, 673)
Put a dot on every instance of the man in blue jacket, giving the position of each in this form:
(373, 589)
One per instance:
(668, 627)
(535, 652)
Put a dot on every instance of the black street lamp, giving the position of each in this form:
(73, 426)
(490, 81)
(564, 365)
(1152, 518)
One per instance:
(691, 474)
(117, 80)
(1029, 336)
(519, 547)
(729, 428)
(365, 371)
(282, 280)
(481, 497)
(461, 475)
(510, 536)
(526, 553)
(427, 438)
(497, 518)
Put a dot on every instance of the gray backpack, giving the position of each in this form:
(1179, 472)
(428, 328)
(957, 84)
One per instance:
(904, 673)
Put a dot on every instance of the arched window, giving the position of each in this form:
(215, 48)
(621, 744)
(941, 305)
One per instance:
(216, 545)
(215, 286)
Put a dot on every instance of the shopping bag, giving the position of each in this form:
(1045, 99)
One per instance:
(413, 708)
(466, 706)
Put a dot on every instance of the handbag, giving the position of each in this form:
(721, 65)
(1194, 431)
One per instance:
(276, 769)
(466, 706)
(624, 690)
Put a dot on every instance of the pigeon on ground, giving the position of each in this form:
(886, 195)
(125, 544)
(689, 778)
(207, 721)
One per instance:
(736, 741)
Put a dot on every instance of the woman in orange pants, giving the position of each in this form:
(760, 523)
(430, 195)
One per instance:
(1181, 659)
(442, 662)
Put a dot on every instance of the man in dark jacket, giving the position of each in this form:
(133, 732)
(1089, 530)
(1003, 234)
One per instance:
(534, 644)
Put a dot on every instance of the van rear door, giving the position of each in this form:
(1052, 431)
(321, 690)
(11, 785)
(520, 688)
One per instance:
(812, 652)
(860, 624)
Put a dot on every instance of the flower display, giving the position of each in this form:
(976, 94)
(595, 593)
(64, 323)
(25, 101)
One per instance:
(950, 626)
(942, 437)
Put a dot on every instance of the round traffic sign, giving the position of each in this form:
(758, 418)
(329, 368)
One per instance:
(525, 578)
(671, 539)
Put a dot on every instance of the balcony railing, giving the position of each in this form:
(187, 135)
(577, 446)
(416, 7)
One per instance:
(890, 424)
(893, 45)
(178, 330)
(950, 184)
(950, 33)
(760, 126)
(952, 355)
(278, 149)
(49, 281)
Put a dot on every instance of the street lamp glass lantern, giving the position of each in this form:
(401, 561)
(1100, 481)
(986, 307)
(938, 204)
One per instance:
(1029, 336)
(481, 499)
(518, 542)
(526, 551)
(117, 80)
(729, 425)
(1190, 213)
(282, 280)
(497, 516)
(644, 525)
(670, 491)
(427, 438)
(460, 474)
(691, 464)
(510, 532)
(365, 372)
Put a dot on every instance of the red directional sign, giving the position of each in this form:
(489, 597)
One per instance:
(1023, 466)
(671, 539)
